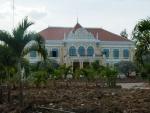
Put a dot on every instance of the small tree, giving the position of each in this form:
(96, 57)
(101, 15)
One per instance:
(57, 74)
(125, 67)
(88, 73)
(110, 75)
(8, 66)
(65, 70)
(76, 74)
(148, 72)
(145, 72)
(8, 61)
(96, 65)
(40, 78)
(97, 68)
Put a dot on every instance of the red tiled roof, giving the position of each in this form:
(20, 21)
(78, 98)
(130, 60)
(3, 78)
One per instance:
(54, 33)
(57, 33)
(104, 35)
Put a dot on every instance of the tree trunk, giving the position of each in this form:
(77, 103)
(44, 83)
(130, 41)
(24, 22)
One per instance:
(9, 94)
(1, 94)
(8, 87)
(20, 84)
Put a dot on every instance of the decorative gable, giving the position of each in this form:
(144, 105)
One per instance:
(80, 33)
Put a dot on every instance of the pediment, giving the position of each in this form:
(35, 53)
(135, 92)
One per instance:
(80, 33)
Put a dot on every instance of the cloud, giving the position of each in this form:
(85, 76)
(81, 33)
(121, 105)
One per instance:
(33, 12)
(37, 14)
(113, 15)
(5, 9)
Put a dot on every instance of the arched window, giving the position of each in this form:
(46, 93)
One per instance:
(90, 51)
(72, 51)
(81, 51)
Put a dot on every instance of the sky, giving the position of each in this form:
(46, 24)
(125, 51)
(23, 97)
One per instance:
(112, 15)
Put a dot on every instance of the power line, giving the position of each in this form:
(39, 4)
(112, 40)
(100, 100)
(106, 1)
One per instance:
(13, 13)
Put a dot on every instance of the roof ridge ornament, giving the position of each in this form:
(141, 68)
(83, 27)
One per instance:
(97, 35)
(77, 26)
(77, 20)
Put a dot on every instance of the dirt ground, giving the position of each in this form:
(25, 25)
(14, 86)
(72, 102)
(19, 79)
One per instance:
(80, 99)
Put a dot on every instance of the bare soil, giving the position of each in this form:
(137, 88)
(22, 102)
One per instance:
(79, 99)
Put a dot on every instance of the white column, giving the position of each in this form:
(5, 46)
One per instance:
(81, 64)
(111, 56)
(121, 54)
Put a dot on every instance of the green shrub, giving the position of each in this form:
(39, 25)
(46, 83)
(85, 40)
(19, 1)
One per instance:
(125, 67)
(40, 78)
(57, 74)
(76, 74)
(145, 72)
(110, 75)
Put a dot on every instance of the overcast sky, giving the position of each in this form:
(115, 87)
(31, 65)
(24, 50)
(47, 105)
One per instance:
(112, 15)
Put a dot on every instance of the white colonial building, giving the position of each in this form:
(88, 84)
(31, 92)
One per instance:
(79, 46)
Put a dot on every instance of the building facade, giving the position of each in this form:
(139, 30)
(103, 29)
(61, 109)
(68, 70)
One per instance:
(79, 46)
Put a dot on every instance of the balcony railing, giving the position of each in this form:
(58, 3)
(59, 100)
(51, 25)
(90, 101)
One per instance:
(84, 57)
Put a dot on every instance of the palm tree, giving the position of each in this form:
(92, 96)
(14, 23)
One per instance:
(22, 42)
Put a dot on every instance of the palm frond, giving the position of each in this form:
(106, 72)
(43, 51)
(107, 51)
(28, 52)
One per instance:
(9, 41)
(5, 37)
(34, 46)
(30, 46)
(29, 36)
(39, 39)
(20, 31)
(41, 45)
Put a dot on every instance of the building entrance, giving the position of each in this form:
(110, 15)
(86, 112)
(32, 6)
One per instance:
(76, 65)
